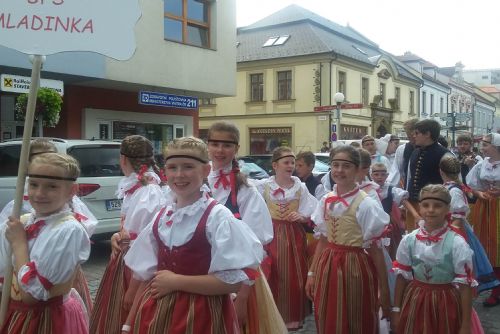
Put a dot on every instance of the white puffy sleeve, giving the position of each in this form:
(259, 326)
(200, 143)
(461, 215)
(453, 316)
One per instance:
(7, 210)
(142, 257)
(53, 258)
(319, 219)
(144, 205)
(459, 207)
(396, 167)
(462, 262)
(83, 215)
(373, 221)
(4, 249)
(402, 265)
(473, 178)
(320, 191)
(236, 250)
(399, 195)
(255, 214)
(258, 184)
(307, 202)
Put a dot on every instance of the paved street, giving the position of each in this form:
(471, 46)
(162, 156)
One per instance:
(94, 268)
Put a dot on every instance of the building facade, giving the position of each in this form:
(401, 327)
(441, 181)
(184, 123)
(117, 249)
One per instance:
(289, 67)
(178, 52)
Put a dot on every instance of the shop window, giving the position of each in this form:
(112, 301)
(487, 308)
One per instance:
(257, 87)
(284, 85)
(265, 140)
(187, 21)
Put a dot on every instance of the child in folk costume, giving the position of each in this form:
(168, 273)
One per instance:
(193, 255)
(484, 179)
(459, 207)
(392, 198)
(290, 205)
(363, 177)
(47, 245)
(434, 272)
(348, 272)
(230, 187)
(142, 198)
(80, 212)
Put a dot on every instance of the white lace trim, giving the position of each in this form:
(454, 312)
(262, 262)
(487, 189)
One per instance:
(51, 218)
(126, 183)
(232, 276)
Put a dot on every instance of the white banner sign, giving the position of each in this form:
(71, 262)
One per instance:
(19, 84)
(44, 27)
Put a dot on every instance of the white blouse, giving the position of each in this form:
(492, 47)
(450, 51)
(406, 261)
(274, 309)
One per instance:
(459, 205)
(55, 252)
(253, 208)
(234, 245)
(140, 207)
(398, 194)
(371, 189)
(370, 216)
(307, 202)
(430, 253)
(484, 175)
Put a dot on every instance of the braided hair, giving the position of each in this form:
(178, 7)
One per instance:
(139, 151)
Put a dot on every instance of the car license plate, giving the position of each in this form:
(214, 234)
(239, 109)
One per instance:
(113, 204)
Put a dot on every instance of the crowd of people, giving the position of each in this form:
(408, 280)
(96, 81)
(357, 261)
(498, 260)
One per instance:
(395, 237)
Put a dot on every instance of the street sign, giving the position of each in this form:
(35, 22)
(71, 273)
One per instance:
(334, 128)
(43, 27)
(168, 100)
(20, 84)
(334, 136)
(343, 106)
(462, 117)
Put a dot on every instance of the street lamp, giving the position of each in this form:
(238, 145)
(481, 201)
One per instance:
(339, 98)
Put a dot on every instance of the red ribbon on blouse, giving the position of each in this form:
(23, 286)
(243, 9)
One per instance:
(33, 230)
(278, 191)
(32, 273)
(222, 179)
(431, 238)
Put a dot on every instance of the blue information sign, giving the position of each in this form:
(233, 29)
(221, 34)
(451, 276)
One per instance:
(168, 100)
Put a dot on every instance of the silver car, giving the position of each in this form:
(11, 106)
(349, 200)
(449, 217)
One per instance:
(100, 173)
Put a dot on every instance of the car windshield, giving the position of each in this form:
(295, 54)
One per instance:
(320, 167)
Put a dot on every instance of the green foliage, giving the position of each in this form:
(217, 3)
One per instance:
(48, 106)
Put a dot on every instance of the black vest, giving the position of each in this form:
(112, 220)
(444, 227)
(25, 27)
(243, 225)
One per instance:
(311, 184)
(387, 202)
(235, 209)
(424, 168)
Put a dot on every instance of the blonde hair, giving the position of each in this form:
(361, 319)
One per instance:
(40, 146)
(438, 190)
(192, 144)
(280, 151)
(63, 161)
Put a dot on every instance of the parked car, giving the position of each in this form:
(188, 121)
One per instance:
(265, 162)
(252, 170)
(98, 181)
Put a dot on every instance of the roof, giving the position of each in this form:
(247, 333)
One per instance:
(294, 13)
(490, 89)
(411, 57)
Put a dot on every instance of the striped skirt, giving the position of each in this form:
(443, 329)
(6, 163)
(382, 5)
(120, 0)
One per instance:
(108, 314)
(184, 313)
(55, 316)
(288, 253)
(81, 286)
(486, 223)
(430, 308)
(346, 287)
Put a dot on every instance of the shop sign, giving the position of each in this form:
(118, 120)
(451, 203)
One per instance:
(260, 131)
(44, 27)
(20, 84)
(168, 100)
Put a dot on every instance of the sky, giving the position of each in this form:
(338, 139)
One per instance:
(442, 32)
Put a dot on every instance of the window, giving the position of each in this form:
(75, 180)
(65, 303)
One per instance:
(364, 91)
(276, 40)
(397, 96)
(257, 87)
(284, 85)
(342, 83)
(432, 104)
(206, 101)
(187, 21)
(412, 102)
(382, 95)
(441, 105)
(424, 102)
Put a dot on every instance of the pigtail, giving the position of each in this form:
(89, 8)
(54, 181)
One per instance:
(240, 178)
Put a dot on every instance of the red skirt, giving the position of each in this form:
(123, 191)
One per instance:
(288, 253)
(81, 286)
(108, 314)
(54, 316)
(181, 312)
(346, 289)
(430, 308)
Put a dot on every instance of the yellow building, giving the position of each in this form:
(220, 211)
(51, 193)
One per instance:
(289, 67)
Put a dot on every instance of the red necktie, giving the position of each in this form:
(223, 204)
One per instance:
(222, 179)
